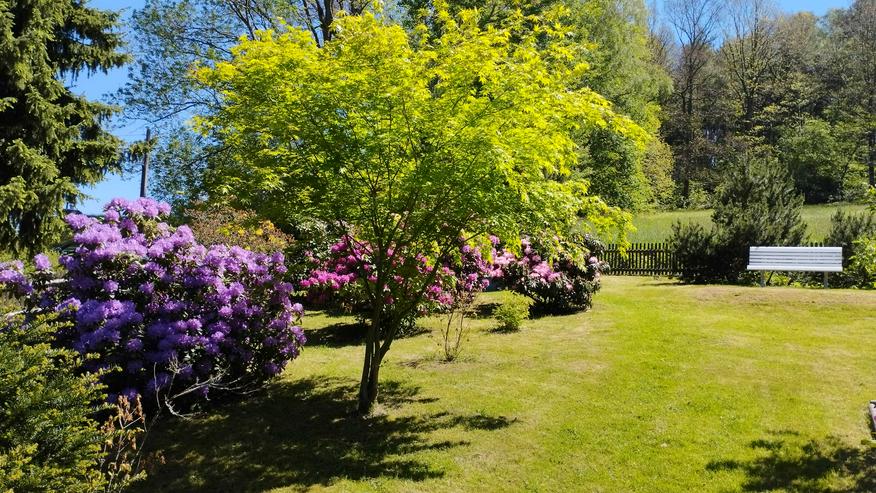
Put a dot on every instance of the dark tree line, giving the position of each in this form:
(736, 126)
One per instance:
(750, 79)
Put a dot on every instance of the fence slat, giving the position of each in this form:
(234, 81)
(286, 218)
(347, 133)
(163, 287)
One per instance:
(649, 258)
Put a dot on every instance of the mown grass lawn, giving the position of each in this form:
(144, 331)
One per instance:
(659, 388)
(657, 226)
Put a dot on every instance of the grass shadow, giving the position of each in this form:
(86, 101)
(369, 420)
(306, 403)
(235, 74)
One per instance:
(349, 334)
(301, 434)
(503, 330)
(791, 464)
(485, 310)
(337, 335)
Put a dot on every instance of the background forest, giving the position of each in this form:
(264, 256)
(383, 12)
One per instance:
(714, 82)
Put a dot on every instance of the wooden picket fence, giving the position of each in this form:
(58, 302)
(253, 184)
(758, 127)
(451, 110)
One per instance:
(642, 259)
(651, 259)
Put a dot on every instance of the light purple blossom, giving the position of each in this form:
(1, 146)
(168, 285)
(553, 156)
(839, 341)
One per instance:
(41, 262)
(146, 297)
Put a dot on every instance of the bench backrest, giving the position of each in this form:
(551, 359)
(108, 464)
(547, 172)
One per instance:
(809, 259)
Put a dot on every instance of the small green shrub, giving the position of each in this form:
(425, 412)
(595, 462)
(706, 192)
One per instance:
(846, 229)
(862, 265)
(513, 311)
(48, 439)
(694, 248)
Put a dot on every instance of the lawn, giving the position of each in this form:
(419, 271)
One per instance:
(657, 226)
(659, 388)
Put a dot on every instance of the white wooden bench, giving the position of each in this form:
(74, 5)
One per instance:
(798, 259)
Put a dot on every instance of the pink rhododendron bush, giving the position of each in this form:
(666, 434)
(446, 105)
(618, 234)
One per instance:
(345, 276)
(560, 285)
(163, 316)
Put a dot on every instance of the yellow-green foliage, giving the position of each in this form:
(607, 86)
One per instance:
(862, 266)
(215, 223)
(513, 311)
(469, 131)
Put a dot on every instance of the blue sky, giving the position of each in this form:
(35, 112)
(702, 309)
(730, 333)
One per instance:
(99, 85)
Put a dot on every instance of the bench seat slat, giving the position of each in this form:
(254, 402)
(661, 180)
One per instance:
(798, 259)
(797, 268)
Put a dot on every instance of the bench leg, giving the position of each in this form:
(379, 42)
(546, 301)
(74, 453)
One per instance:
(825, 279)
(762, 278)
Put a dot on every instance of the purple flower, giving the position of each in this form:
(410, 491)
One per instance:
(42, 262)
(78, 221)
(298, 309)
(146, 297)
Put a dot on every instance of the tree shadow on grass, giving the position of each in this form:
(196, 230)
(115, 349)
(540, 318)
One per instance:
(337, 335)
(791, 464)
(485, 310)
(349, 334)
(300, 434)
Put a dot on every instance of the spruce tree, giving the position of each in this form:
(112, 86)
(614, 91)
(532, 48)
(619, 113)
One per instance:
(51, 139)
(756, 205)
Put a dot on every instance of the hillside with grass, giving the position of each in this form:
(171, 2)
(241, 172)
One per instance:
(657, 226)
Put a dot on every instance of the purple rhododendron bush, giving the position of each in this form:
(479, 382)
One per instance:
(164, 316)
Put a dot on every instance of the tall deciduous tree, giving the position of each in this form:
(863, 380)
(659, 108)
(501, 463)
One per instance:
(410, 144)
(170, 36)
(695, 23)
(858, 30)
(749, 55)
(624, 70)
(51, 139)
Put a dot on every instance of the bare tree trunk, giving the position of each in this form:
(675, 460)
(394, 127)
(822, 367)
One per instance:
(371, 366)
(871, 157)
(370, 378)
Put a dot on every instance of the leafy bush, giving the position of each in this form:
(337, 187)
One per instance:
(862, 265)
(513, 311)
(176, 318)
(346, 276)
(845, 230)
(562, 285)
(694, 248)
(214, 224)
(756, 205)
(48, 440)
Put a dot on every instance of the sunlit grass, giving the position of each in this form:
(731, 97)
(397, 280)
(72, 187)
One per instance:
(660, 388)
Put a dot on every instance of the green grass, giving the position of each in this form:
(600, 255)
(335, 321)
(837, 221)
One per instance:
(660, 388)
(657, 226)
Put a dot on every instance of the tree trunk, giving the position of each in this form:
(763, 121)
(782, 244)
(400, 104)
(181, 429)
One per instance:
(371, 365)
(871, 157)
